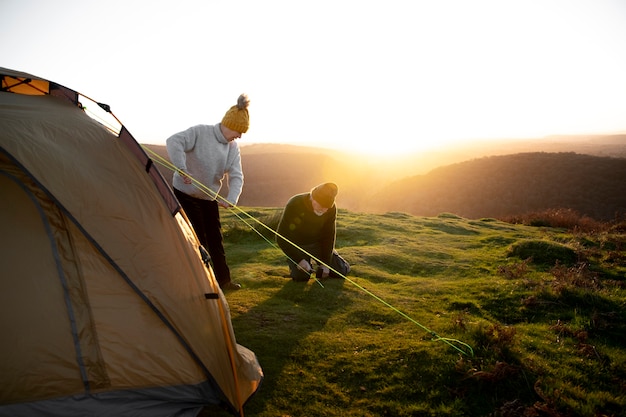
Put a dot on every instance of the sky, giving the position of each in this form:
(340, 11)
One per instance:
(384, 77)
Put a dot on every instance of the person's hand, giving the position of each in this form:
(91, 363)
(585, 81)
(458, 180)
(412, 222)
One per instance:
(186, 178)
(304, 265)
(224, 203)
(325, 272)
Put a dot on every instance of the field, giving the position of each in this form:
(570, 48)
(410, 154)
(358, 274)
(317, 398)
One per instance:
(439, 316)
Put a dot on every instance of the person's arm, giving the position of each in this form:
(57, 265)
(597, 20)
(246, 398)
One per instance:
(177, 147)
(235, 176)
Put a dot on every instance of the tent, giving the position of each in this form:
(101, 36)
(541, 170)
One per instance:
(107, 305)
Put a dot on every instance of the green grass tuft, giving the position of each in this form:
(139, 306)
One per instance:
(542, 252)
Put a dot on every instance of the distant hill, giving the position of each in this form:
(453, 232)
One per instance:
(500, 186)
(273, 173)
(586, 174)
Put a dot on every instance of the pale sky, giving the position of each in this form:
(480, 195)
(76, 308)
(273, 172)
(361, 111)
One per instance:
(383, 76)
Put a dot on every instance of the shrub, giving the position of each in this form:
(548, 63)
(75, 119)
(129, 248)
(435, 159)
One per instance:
(517, 270)
(578, 276)
(561, 218)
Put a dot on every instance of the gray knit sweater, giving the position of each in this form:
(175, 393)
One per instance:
(204, 153)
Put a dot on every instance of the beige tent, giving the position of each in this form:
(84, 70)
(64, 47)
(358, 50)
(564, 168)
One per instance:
(107, 306)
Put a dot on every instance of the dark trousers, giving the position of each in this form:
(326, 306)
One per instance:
(204, 216)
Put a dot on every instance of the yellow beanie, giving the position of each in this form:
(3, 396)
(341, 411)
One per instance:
(237, 118)
(325, 194)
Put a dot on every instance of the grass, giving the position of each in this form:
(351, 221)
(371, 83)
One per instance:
(543, 309)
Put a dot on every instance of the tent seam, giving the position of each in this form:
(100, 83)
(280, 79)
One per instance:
(122, 274)
(62, 278)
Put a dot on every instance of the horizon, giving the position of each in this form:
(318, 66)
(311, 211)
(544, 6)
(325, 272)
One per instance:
(447, 147)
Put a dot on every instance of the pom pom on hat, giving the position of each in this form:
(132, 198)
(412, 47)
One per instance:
(237, 117)
(325, 194)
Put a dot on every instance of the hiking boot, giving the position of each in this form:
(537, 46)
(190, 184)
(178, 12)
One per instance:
(230, 286)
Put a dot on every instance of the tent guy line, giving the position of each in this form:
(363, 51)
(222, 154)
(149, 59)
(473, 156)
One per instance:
(206, 190)
(238, 210)
(234, 208)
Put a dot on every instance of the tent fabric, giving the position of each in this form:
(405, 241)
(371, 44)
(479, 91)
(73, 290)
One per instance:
(103, 287)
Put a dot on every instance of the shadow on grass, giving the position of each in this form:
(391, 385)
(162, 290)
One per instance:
(275, 329)
(600, 316)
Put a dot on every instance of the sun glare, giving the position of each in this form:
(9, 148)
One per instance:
(390, 147)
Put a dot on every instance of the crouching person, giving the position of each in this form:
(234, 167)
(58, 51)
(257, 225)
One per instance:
(308, 227)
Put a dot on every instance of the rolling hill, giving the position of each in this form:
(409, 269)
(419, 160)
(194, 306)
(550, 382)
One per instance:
(587, 175)
(501, 186)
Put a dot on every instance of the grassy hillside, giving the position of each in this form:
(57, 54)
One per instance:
(507, 185)
(543, 309)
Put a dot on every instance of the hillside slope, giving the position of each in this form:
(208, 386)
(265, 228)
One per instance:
(501, 186)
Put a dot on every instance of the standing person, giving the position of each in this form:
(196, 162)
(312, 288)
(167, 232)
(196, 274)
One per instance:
(207, 153)
(308, 226)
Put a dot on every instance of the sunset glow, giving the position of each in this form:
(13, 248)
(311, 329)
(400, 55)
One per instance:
(375, 77)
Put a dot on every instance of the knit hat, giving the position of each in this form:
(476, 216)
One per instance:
(325, 194)
(237, 118)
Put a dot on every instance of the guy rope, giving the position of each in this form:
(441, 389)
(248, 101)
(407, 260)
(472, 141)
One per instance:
(250, 221)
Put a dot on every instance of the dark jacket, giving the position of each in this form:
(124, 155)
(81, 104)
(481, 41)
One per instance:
(300, 225)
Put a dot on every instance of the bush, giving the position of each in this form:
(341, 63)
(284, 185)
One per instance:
(561, 218)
